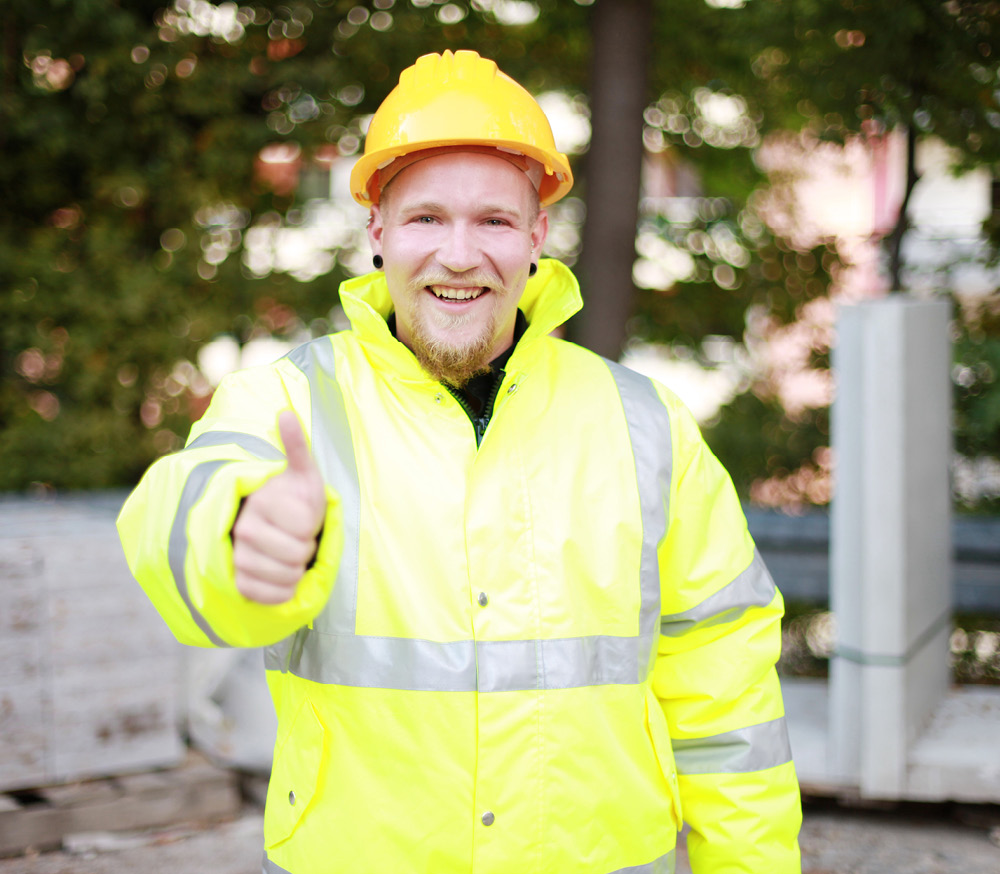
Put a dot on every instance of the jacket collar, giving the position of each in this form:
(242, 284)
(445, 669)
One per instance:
(550, 297)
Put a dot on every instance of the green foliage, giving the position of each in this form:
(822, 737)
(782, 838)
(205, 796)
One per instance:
(837, 67)
(736, 266)
(977, 398)
(827, 71)
(975, 655)
(773, 457)
(129, 134)
(977, 403)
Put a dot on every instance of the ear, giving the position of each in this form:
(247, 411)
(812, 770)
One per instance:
(539, 231)
(375, 229)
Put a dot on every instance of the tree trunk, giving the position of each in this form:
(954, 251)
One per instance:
(895, 239)
(621, 31)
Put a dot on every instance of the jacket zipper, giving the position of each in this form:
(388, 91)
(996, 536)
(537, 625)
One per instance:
(482, 421)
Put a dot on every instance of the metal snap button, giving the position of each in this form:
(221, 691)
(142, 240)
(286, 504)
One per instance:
(291, 798)
(512, 389)
(488, 818)
(482, 599)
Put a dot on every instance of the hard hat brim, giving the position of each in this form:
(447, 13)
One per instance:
(556, 181)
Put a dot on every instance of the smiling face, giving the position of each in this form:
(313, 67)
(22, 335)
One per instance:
(457, 234)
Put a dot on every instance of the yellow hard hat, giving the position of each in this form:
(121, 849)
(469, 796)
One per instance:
(458, 99)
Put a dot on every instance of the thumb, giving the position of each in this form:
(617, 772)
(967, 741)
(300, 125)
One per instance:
(293, 438)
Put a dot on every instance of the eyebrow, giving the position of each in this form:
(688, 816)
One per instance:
(433, 206)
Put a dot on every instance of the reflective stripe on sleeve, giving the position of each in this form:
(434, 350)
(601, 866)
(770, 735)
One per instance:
(258, 447)
(194, 488)
(177, 549)
(754, 748)
(751, 588)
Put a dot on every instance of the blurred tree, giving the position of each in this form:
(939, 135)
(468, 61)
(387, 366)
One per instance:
(146, 144)
(619, 94)
(926, 68)
(864, 68)
(977, 405)
(132, 137)
(823, 72)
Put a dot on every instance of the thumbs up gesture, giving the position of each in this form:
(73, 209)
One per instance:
(274, 537)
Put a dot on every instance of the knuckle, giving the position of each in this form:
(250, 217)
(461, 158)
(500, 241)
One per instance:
(247, 527)
(263, 591)
(303, 552)
(243, 563)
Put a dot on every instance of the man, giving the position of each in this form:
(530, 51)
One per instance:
(514, 619)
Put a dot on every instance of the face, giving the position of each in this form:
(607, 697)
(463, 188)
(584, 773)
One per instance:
(457, 234)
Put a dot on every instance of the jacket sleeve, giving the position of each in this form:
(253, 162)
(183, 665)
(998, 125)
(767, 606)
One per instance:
(175, 527)
(715, 678)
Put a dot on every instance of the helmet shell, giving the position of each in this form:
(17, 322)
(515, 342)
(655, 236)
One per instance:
(456, 99)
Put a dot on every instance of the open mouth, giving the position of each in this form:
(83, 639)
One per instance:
(447, 292)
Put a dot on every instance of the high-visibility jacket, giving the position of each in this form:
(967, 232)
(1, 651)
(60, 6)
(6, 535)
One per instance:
(541, 654)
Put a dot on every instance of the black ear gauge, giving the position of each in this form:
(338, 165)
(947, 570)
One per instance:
(377, 261)
(533, 269)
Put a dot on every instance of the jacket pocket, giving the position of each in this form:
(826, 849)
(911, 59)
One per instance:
(295, 775)
(659, 737)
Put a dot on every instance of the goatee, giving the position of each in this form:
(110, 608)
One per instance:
(445, 362)
(450, 365)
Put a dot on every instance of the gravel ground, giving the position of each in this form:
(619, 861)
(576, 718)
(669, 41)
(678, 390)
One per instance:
(912, 839)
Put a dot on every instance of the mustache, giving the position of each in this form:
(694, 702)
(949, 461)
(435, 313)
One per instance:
(482, 278)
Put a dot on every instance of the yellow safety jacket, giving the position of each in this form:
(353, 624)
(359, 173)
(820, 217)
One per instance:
(542, 654)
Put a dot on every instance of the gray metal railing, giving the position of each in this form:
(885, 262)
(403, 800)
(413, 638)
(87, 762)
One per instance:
(796, 549)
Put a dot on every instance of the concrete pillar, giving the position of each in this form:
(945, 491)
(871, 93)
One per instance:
(890, 585)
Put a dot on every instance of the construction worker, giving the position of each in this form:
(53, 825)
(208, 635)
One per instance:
(514, 620)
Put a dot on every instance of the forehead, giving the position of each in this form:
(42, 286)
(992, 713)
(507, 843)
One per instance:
(462, 178)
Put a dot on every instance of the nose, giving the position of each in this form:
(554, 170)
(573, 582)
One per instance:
(459, 250)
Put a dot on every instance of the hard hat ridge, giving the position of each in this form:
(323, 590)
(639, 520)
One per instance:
(456, 99)
(433, 71)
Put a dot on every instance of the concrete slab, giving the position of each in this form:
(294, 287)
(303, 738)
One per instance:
(807, 706)
(957, 757)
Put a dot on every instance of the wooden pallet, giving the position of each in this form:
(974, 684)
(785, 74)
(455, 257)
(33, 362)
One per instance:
(40, 819)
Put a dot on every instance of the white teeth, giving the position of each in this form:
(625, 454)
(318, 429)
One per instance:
(448, 293)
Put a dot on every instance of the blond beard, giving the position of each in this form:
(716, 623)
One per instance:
(455, 365)
(449, 364)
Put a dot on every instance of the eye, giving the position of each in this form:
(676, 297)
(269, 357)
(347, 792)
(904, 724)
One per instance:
(496, 223)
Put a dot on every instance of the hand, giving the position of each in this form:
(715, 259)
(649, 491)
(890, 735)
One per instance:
(274, 536)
